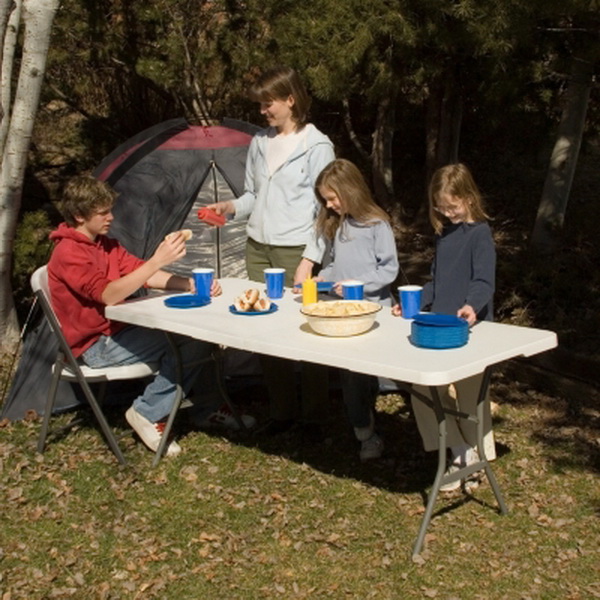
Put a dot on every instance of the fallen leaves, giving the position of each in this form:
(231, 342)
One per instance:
(252, 524)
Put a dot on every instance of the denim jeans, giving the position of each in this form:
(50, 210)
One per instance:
(139, 344)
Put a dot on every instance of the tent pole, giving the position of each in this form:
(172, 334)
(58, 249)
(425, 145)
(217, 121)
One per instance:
(218, 229)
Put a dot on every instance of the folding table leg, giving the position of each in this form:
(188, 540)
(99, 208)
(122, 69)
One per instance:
(485, 383)
(439, 475)
(441, 414)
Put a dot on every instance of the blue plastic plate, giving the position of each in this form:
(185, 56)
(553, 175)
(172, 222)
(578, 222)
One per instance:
(324, 286)
(252, 313)
(437, 320)
(186, 301)
(430, 330)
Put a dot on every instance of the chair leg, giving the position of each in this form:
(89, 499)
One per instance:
(108, 434)
(41, 446)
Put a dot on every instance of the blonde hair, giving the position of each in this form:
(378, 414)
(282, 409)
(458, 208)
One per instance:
(279, 84)
(454, 180)
(344, 178)
(83, 196)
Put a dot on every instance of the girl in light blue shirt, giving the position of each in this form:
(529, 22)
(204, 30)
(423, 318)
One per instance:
(362, 248)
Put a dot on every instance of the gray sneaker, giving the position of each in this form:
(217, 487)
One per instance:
(371, 448)
(453, 485)
(364, 433)
(464, 458)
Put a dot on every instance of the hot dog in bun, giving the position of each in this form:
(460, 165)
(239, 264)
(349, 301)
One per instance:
(187, 234)
(251, 300)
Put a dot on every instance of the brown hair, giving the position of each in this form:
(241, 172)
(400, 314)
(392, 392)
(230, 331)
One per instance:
(454, 180)
(279, 84)
(344, 178)
(83, 196)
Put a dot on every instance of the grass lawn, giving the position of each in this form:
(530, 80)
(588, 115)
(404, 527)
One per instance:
(238, 517)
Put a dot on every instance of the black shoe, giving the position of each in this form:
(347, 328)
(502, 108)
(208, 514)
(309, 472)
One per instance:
(274, 427)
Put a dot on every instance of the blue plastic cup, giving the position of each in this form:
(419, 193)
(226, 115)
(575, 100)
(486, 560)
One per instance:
(203, 278)
(274, 279)
(353, 290)
(410, 300)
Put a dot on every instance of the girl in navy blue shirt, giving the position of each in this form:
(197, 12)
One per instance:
(462, 284)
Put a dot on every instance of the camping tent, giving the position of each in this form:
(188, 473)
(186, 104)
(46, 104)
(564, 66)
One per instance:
(162, 175)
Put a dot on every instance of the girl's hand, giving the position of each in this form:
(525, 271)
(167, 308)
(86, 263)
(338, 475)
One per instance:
(397, 310)
(297, 289)
(223, 208)
(467, 312)
(215, 288)
(337, 288)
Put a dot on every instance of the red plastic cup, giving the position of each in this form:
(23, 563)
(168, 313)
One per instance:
(210, 217)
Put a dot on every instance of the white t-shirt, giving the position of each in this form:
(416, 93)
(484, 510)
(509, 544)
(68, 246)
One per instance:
(280, 148)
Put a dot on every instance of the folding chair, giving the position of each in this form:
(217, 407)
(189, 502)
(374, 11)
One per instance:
(66, 367)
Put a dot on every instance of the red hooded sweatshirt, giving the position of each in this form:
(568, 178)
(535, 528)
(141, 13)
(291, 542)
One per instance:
(78, 272)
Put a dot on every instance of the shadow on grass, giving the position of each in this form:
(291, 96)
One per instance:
(568, 426)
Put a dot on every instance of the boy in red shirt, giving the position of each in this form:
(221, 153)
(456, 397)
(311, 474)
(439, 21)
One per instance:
(88, 271)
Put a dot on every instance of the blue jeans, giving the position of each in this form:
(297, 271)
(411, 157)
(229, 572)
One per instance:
(139, 344)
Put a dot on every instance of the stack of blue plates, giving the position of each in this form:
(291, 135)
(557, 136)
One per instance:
(430, 330)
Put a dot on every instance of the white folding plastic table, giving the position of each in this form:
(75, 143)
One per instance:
(384, 351)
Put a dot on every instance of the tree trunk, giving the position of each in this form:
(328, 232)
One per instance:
(5, 8)
(380, 156)
(557, 187)
(37, 19)
(443, 122)
(382, 164)
(9, 23)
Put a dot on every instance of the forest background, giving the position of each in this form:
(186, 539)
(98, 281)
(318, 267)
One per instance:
(401, 87)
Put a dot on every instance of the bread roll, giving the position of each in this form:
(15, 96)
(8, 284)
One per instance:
(261, 305)
(251, 296)
(248, 301)
(239, 305)
(187, 234)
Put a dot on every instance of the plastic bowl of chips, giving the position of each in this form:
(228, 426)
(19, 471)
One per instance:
(341, 318)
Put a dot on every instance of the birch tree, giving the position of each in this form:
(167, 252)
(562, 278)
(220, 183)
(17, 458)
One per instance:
(557, 187)
(19, 110)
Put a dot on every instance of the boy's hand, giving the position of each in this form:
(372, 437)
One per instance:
(215, 288)
(397, 310)
(170, 250)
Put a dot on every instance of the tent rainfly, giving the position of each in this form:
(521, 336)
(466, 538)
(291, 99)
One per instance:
(162, 175)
